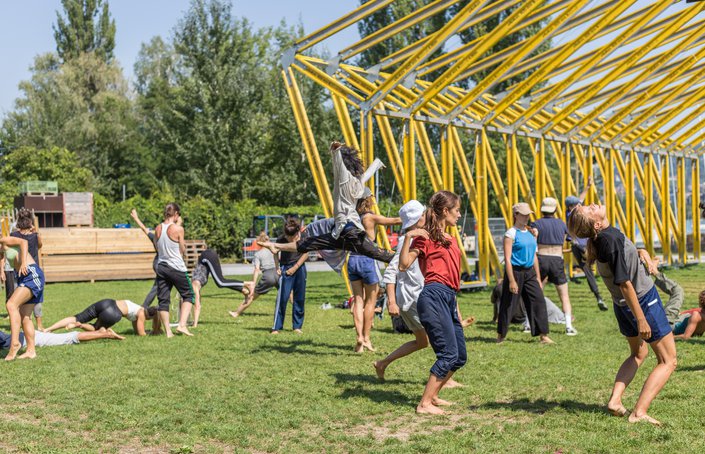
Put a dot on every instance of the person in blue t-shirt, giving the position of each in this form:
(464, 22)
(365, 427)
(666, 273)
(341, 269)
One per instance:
(552, 233)
(579, 245)
(521, 278)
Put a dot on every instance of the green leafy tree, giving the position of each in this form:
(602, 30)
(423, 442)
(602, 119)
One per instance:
(84, 27)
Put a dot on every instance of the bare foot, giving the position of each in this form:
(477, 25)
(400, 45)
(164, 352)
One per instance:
(183, 331)
(438, 402)
(368, 345)
(72, 325)
(644, 418)
(233, 314)
(269, 245)
(12, 354)
(359, 347)
(114, 335)
(545, 340)
(274, 332)
(453, 384)
(379, 369)
(169, 335)
(248, 288)
(28, 355)
(467, 322)
(617, 410)
(429, 409)
(195, 325)
(298, 331)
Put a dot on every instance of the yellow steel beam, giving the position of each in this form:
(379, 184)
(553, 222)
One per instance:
(367, 141)
(664, 194)
(428, 156)
(654, 130)
(409, 161)
(345, 122)
(695, 199)
(390, 146)
(680, 202)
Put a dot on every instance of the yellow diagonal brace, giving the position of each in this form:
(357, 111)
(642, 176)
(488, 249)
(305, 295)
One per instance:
(390, 145)
(695, 198)
(428, 157)
(345, 122)
(410, 64)
(697, 96)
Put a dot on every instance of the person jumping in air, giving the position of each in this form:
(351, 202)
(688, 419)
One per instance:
(637, 307)
(348, 233)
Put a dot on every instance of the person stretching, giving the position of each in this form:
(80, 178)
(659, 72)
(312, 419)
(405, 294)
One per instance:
(266, 265)
(403, 290)
(292, 281)
(521, 278)
(54, 340)
(152, 239)
(25, 230)
(209, 263)
(107, 313)
(439, 259)
(637, 307)
(349, 233)
(691, 322)
(171, 269)
(29, 291)
(552, 235)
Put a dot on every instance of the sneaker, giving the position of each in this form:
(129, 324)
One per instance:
(601, 304)
(571, 332)
(527, 329)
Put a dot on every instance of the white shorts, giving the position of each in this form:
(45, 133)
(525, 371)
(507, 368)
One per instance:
(52, 340)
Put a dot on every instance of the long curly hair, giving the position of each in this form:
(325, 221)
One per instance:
(434, 215)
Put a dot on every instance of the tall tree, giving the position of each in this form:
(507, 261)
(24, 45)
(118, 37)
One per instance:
(85, 26)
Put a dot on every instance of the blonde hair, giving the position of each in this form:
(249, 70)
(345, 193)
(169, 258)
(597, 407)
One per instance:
(262, 237)
(582, 226)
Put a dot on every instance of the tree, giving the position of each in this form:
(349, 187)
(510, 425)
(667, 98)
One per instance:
(86, 28)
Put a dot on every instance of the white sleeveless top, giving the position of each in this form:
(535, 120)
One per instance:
(132, 310)
(168, 250)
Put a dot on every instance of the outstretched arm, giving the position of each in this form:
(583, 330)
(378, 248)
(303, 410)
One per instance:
(383, 220)
(138, 325)
(584, 194)
(695, 318)
(134, 215)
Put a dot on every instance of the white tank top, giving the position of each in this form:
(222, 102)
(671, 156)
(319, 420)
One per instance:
(132, 310)
(168, 250)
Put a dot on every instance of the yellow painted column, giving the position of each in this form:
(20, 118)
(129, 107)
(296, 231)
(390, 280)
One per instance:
(409, 161)
(367, 143)
(680, 198)
(539, 171)
(648, 203)
(482, 222)
(609, 186)
(630, 228)
(695, 198)
(665, 208)
(447, 159)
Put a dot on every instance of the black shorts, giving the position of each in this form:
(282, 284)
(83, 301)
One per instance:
(168, 277)
(105, 311)
(553, 269)
(351, 239)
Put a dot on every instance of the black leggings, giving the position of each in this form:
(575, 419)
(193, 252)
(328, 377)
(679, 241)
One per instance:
(534, 302)
(106, 311)
(209, 258)
(351, 239)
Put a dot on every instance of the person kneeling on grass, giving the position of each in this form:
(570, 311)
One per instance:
(637, 307)
(107, 313)
(43, 339)
(403, 290)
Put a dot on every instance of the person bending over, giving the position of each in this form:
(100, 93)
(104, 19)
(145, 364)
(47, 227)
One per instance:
(265, 265)
(349, 233)
(107, 313)
(637, 307)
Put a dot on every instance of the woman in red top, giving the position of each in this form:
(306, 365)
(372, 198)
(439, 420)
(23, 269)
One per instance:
(439, 259)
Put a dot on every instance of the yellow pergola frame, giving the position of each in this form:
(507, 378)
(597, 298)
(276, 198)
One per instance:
(618, 97)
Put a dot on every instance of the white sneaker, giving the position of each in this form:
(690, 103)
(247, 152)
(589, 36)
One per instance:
(571, 332)
(527, 329)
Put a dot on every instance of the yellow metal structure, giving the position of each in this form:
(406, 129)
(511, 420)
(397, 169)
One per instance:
(609, 90)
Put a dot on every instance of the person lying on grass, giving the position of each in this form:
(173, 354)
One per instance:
(43, 339)
(691, 322)
(107, 313)
(637, 307)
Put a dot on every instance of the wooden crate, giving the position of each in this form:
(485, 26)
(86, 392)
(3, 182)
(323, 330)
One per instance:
(39, 188)
(193, 250)
(78, 209)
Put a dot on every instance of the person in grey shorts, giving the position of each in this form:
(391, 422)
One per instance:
(54, 340)
(266, 265)
(403, 290)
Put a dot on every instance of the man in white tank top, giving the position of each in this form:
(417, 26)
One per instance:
(171, 269)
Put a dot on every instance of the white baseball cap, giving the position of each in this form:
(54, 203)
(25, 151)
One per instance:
(549, 205)
(410, 213)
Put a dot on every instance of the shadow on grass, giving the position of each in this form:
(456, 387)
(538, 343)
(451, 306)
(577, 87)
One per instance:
(698, 368)
(541, 406)
(371, 378)
(298, 347)
(373, 394)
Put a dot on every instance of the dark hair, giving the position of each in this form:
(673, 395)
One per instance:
(292, 227)
(365, 205)
(25, 219)
(440, 201)
(171, 209)
(352, 161)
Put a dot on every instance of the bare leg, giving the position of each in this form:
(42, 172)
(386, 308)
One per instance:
(245, 304)
(626, 373)
(665, 350)
(40, 325)
(358, 314)
(565, 303)
(183, 319)
(61, 324)
(426, 406)
(369, 314)
(164, 317)
(28, 328)
(13, 305)
(408, 348)
(197, 302)
(276, 247)
(100, 334)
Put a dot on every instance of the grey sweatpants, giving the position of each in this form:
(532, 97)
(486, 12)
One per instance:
(675, 296)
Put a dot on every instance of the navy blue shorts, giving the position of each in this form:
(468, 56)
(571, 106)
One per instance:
(654, 313)
(34, 281)
(362, 268)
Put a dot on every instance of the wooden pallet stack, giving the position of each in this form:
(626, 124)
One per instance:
(193, 250)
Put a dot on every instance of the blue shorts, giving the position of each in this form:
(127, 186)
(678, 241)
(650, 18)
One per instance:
(362, 268)
(654, 313)
(34, 281)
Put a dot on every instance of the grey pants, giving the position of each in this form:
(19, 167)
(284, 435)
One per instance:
(675, 296)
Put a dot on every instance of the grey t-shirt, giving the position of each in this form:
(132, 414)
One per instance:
(264, 259)
(618, 262)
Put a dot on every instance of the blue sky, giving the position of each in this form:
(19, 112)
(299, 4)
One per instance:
(26, 29)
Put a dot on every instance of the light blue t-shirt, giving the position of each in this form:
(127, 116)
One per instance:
(523, 247)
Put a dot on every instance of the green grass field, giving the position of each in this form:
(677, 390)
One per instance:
(233, 387)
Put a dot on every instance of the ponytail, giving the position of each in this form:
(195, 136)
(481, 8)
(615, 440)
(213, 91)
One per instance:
(171, 210)
(440, 201)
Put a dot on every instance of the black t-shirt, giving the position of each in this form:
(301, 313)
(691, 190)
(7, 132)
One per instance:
(287, 258)
(32, 243)
(609, 245)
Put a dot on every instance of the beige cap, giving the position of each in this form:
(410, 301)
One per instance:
(549, 205)
(522, 208)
